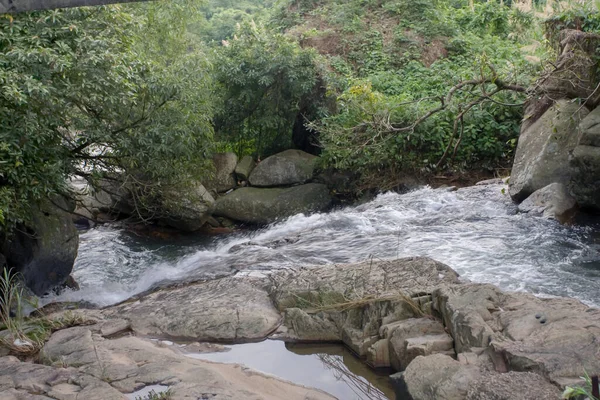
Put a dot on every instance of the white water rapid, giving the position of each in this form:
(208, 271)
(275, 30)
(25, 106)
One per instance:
(475, 230)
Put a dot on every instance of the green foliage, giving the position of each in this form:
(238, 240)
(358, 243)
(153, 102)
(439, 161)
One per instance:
(584, 16)
(575, 392)
(221, 18)
(396, 59)
(264, 81)
(83, 93)
(19, 334)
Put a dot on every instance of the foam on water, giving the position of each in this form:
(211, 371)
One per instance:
(475, 230)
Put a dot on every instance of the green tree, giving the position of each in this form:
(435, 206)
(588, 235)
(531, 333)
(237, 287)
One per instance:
(79, 96)
(265, 79)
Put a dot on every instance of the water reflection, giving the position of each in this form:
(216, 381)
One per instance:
(329, 367)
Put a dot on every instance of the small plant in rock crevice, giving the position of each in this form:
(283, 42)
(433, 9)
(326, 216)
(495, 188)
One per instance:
(581, 392)
(153, 395)
(21, 335)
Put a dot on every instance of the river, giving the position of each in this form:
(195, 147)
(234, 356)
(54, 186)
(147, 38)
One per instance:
(475, 230)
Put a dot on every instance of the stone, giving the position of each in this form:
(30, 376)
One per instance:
(416, 336)
(513, 386)
(436, 377)
(481, 316)
(43, 250)
(544, 148)
(128, 364)
(585, 164)
(229, 309)
(309, 328)
(408, 276)
(264, 206)
(286, 168)
(244, 168)
(224, 178)
(188, 210)
(103, 203)
(390, 284)
(494, 181)
(574, 75)
(552, 201)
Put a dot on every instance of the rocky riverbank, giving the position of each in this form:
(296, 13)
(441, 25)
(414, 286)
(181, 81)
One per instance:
(448, 339)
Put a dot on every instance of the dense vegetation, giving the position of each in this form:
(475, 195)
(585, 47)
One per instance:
(147, 92)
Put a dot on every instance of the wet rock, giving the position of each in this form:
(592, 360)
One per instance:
(44, 250)
(188, 210)
(585, 164)
(224, 178)
(263, 206)
(494, 181)
(542, 155)
(229, 309)
(552, 201)
(286, 168)
(244, 168)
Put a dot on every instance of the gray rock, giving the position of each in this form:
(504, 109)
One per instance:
(513, 386)
(407, 276)
(552, 201)
(244, 168)
(494, 181)
(417, 337)
(543, 150)
(188, 210)
(436, 377)
(110, 368)
(334, 309)
(479, 316)
(585, 164)
(263, 206)
(224, 178)
(286, 168)
(44, 250)
(229, 309)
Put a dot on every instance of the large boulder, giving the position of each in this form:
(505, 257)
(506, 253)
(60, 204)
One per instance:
(230, 309)
(188, 211)
(552, 201)
(244, 168)
(436, 377)
(287, 168)
(439, 377)
(555, 337)
(224, 178)
(44, 249)
(102, 203)
(83, 363)
(544, 148)
(263, 206)
(585, 163)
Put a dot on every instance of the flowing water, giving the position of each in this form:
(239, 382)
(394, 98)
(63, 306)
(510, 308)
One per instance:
(475, 230)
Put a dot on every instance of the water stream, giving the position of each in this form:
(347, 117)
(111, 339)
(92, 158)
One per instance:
(475, 230)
